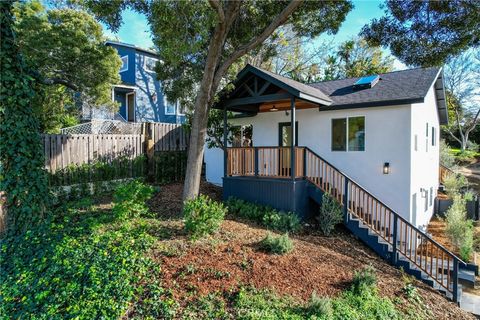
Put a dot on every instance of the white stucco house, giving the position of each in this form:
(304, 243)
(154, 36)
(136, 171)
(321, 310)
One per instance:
(381, 131)
(371, 143)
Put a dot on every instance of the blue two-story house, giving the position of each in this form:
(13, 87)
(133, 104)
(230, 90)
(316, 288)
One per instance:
(139, 94)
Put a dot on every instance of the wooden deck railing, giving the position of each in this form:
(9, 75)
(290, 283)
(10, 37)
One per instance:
(403, 238)
(444, 172)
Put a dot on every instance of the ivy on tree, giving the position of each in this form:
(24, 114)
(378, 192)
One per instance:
(21, 158)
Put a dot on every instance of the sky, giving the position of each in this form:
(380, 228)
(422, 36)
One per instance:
(135, 29)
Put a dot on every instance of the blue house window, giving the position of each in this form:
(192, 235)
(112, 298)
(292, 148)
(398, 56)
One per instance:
(149, 64)
(124, 66)
(170, 107)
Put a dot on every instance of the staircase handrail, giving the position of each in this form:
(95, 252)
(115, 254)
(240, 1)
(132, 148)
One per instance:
(387, 207)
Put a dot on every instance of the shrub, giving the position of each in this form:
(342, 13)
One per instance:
(129, 199)
(330, 214)
(364, 280)
(281, 221)
(454, 183)
(277, 244)
(459, 229)
(267, 216)
(202, 216)
(320, 307)
(446, 157)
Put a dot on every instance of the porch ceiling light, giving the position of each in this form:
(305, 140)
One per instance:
(273, 108)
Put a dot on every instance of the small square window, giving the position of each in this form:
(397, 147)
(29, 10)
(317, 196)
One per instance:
(348, 134)
(124, 66)
(149, 64)
(169, 107)
(181, 109)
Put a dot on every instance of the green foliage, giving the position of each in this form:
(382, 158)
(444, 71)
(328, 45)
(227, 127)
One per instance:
(203, 216)
(129, 199)
(120, 168)
(21, 155)
(330, 214)
(78, 265)
(454, 183)
(281, 221)
(277, 244)
(459, 229)
(267, 216)
(66, 48)
(207, 307)
(364, 280)
(426, 33)
(170, 166)
(320, 307)
(356, 58)
(446, 157)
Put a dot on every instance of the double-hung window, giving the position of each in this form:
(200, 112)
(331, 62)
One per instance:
(124, 66)
(348, 134)
(149, 64)
(170, 107)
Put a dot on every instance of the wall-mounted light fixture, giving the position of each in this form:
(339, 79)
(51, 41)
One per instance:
(386, 168)
(273, 108)
(286, 113)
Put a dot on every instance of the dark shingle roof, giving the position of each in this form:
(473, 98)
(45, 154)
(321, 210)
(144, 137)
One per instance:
(399, 87)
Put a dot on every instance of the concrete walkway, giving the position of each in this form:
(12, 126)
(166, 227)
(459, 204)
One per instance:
(470, 303)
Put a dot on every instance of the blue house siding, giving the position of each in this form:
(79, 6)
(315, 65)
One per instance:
(149, 99)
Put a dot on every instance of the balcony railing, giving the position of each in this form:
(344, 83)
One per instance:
(403, 238)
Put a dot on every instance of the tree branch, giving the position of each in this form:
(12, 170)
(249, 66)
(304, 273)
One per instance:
(279, 20)
(52, 81)
(216, 4)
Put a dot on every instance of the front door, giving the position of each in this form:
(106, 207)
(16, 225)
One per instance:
(285, 139)
(131, 107)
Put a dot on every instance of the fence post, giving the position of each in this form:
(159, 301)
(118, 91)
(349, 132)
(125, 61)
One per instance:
(345, 201)
(150, 151)
(304, 162)
(394, 239)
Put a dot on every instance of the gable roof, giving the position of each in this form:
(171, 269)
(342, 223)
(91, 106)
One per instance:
(393, 88)
(296, 88)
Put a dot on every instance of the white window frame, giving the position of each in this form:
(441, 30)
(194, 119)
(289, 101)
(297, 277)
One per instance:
(178, 110)
(122, 69)
(145, 63)
(134, 105)
(347, 132)
(165, 103)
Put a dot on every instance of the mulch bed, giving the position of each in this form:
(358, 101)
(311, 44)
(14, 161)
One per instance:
(231, 259)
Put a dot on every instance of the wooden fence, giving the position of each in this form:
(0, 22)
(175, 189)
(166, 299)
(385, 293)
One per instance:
(62, 150)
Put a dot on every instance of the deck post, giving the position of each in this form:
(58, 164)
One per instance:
(225, 142)
(455, 280)
(345, 201)
(294, 137)
(394, 239)
(255, 150)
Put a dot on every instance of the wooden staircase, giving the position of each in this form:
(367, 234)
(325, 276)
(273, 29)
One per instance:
(382, 229)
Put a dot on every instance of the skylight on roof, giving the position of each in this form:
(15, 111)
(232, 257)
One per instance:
(366, 82)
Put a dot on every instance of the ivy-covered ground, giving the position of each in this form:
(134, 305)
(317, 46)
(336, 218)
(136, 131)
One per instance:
(92, 261)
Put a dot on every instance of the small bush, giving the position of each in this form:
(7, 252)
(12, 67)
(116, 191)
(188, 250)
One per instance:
(129, 199)
(277, 244)
(320, 307)
(446, 157)
(267, 216)
(363, 280)
(281, 221)
(202, 216)
(459, 229)
(454, 183)
(330, 214)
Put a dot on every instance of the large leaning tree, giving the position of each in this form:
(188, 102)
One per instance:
(65, 48)
(198, 42)
(426, 33)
